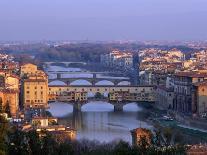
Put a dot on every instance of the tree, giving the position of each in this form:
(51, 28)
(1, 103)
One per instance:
(49, 145)
(98, 95)
(3, 131)
(65, 149)
(7, 109)
(1, 105)
(34, 142)
(122, 148)
(18, 143)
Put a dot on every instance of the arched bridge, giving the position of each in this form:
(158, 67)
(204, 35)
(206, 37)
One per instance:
(64, 63)
(87, 79)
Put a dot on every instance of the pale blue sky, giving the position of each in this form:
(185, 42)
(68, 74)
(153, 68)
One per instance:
(103, 19)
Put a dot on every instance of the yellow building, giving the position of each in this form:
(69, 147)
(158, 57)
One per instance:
(35, 93)
(199, 98)
(9, 92)
(28, 69)
(44, 121)
(35, 87)
(10, 97)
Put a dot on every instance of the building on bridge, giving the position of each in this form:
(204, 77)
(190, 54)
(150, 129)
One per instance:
(72, 96)
(113, 93)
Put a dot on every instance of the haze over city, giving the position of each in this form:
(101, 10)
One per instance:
(103, 77)
(103, 20)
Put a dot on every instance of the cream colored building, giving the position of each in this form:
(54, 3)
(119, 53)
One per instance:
(28, 69)
(11, 97)
(35, 87)
(9, 92)
(199, 97)
(35, 93)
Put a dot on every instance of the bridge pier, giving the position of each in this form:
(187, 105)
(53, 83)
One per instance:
(116, 83)
(77, 107)
(118, 107)
(58, 75)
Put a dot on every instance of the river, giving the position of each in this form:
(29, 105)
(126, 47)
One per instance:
(98, 121)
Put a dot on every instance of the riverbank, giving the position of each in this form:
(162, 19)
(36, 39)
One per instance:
(189, 131)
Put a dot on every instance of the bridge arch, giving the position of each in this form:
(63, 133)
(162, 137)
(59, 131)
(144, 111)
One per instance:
(58, 64)
(104, 83)
(132, 106)
(57, 83)
(98, 106)
(124, 83)
(80, 82)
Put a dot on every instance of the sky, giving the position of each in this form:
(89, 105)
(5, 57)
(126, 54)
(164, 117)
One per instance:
(103, 20)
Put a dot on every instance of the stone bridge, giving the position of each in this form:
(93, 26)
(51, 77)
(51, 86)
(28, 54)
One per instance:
(118, 106)
(64, 63)
(91, 80)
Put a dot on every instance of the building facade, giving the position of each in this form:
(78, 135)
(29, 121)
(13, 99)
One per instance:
(183, 90)
(34, 87)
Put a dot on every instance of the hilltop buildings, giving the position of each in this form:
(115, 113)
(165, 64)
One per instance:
(118, 59)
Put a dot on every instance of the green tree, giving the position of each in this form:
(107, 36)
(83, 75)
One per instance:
(65, 149)
(3, 131)
(122, 148)
(34, 142)
(49, 145)
(7, 109)
(98, 95)
(18, 143)
(1, 105)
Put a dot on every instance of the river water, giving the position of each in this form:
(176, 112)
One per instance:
(98, 121)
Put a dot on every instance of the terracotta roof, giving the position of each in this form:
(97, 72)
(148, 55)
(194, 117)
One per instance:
(8, 91)
(191, 74)
(35, 80)
(165, 88)
(200, 83)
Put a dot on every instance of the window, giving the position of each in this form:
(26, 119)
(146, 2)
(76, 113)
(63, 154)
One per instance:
(27, 92)
(41, 92)
(41, 87)
(35, 87)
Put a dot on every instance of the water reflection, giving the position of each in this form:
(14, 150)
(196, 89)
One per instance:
(99, 121)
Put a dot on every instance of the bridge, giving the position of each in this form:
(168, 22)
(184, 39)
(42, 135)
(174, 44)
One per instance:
(118, 106)
(90, 78)
(118, 96)
(64, 63)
